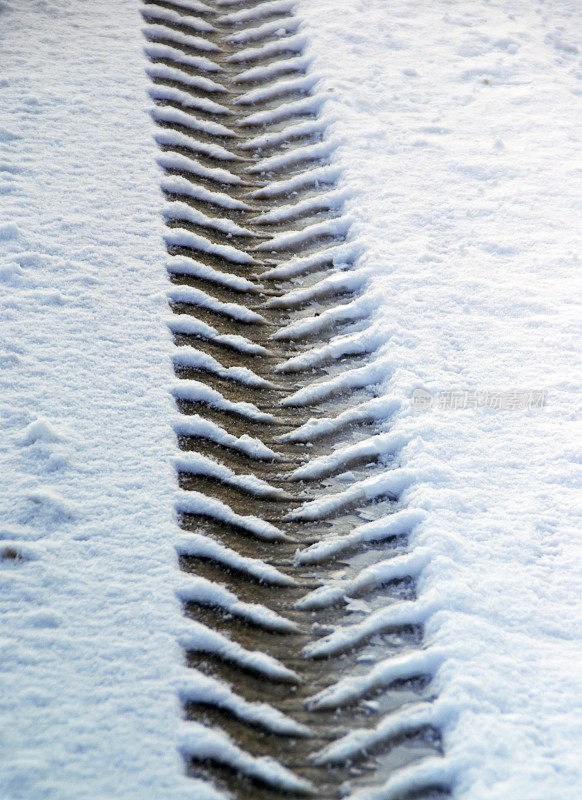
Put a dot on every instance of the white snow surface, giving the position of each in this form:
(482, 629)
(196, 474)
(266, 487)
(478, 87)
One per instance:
(458, 130)
(455, 129)
(90, 664)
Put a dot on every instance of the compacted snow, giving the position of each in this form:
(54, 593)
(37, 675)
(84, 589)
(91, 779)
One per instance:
(458, 131)
(454, 128)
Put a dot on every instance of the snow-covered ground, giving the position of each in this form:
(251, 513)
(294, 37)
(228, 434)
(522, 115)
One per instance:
(458, 126)
(88, 617)
(458, 137)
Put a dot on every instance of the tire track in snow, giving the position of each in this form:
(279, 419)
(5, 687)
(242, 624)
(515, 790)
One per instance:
(303, 636)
